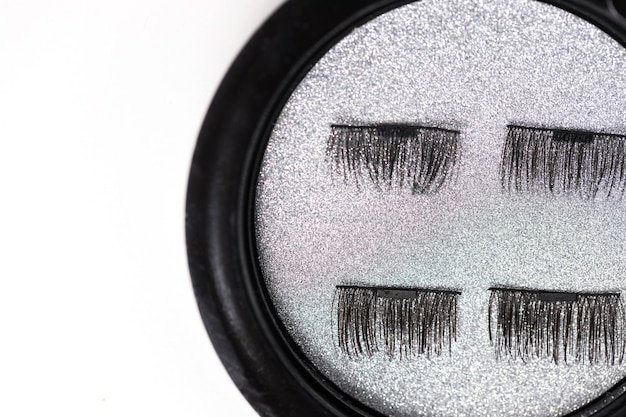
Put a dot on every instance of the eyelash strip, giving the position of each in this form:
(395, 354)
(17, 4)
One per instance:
(564, 162)
(403, 321)
(586, 328)
(408, 156)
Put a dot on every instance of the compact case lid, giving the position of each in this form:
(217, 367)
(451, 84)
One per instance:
(236, 307)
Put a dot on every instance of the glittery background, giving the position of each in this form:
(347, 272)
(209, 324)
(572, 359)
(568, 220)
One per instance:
(475, 66)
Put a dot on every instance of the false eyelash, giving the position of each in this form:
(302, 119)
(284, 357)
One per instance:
(588, 328)
(402, 321)
(413, 156)
(557, 161)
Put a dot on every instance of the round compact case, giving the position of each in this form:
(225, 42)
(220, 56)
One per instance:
(416, 208)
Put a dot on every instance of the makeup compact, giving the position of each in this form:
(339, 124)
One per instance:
(404, 208)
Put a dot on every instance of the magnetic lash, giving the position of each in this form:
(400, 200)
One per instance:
(558, 161)
(404, 322)
(559, 326)
(417, 157)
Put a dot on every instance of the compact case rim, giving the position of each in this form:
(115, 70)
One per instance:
(252, 343)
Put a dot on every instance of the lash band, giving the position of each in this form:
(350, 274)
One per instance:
(560, 133)
(542, 295)
(389, 128)
(397, 291)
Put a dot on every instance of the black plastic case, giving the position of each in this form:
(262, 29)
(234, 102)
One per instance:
(252, 343)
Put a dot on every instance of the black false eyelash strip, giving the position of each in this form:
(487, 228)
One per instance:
(417, 157)
(567, 327)
(559, 161)
(406, 322)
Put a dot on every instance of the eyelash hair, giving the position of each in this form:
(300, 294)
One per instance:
(417, 157)
(406, 322)
(557, 161)
(568, 327)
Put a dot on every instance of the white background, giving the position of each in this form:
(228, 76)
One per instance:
(100, 106)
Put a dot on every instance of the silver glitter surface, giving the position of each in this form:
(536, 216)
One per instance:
(476, 66)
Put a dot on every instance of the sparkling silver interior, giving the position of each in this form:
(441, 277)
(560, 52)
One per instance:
(476, 66)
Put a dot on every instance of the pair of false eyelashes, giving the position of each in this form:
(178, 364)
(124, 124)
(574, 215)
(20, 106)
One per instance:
(523, 324)
(553, 161)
